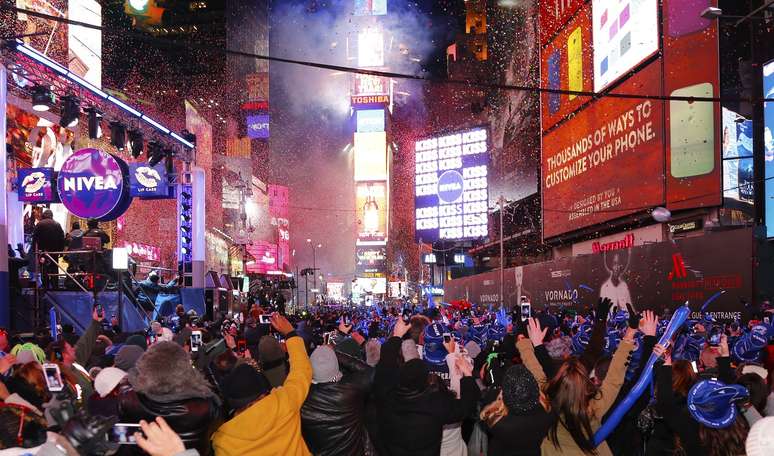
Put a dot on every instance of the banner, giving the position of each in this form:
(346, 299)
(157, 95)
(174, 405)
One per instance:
(655, 276)
(148, 182)
(371, 205)
(35, 185)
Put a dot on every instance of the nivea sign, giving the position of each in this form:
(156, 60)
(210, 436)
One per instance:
(91, 184)
(148, 182)
(35, 185)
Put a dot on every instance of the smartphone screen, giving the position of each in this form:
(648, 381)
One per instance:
(196, 340)
(446, 338)
(526, 311)
(53, 377)
(123, 433)
(241, 345)
(693, 365)
(264, 319)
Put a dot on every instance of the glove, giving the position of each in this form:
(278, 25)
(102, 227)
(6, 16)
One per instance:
(634, 318)
(603, 308)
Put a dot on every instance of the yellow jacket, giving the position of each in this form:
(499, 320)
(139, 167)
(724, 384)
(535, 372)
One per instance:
(271, 426)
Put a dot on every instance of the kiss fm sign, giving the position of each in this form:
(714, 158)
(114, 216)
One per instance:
(93, 184)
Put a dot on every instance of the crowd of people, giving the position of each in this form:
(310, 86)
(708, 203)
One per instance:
(394, 381)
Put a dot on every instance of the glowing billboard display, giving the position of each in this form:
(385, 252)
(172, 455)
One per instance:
(451, 186)
(85, 44)
(768, 140)
(366, 84)
(370, 49)
(371, 156)
(370, 7)
(370, 120)
(371, 204)
(625, 34)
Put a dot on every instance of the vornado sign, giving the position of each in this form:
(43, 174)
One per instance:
(91, 184)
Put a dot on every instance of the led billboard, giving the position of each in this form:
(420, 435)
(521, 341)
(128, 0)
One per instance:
(370, 7)
(367, 84)
(85, 44)
(371, 261)
(452, 186)
(371, 156)
(373, 285)
(371, 205)
(370, 120)
(594, 165)
(738, 175)
(768, 140)
(370, 49)
(265, 257)
(258, 126)
(554, 14)
(625, 33)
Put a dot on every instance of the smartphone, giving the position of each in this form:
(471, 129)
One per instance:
(347, 320)
(123, 433)
(526, 311)
(196, 340)
(446, 338)
(406, 315)
(53, 377)
(100, 310)
(714, 339)
(264, 319)
(693, 366)
(241, 345)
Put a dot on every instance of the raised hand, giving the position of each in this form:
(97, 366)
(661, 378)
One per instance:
(159, 439)
(536, 334)
(634, 318)
(649, 323)
(603, 308)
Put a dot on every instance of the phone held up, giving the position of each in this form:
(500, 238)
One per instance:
(196, 340)
(53, 377)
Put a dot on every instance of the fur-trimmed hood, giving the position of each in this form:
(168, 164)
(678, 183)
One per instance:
(165, 373)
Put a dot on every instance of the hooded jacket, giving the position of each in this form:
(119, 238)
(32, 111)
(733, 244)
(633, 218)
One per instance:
(272, 425)
(333, 418)
(164, 383)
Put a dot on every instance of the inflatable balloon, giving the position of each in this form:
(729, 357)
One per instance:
(679, 317)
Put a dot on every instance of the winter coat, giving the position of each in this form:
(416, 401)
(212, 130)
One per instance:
(519, 435)
(412, 421)
(272, 425)
(674, 410)
(599, 405)
(333, 415)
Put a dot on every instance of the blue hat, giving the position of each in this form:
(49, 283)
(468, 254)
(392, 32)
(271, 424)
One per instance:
(581, 339)
(748, 347)
(434, 351)
(688, 347)
(713, 403)
(611, 341)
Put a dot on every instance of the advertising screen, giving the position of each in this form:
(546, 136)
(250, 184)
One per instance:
(451, 186)
(371, 156)
(371, 260)
(375, 285)
(593, 164)
(265, 257)
(85, 44)
(370, 120)
(625, 33)
(148, 182)
(258, 126)
(768, 139)
(370, 7)
(370, 49)
(366, 84)
(36, 185)
(737, 158)
(554, 14)
(371, 205)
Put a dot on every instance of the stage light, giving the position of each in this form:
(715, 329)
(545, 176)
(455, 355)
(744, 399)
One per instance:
(71, 111)
(155, 153)
(118, 135)
(185, 218)
(95, 119)
(135, 143)
(42, 98)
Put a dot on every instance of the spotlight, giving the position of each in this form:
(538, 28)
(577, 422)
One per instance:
(118, 135)
(95, 119)
(185, 218)
(155, 153)
(71, 111)
(135, 143)
(186, 195)
(42, 98)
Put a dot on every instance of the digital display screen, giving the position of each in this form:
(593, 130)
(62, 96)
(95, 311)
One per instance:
(258, 126)
(371, 156)
(370, 49)
(737, 157)
(452, 186)
(370, 7)
(625, 33)
(370, 120)
(768, 146)
(371, 203)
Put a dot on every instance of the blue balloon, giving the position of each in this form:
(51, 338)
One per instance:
(679, 317)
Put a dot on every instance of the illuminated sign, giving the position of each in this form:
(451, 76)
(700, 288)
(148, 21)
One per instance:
(371, 285)
(625, 33)
(265, 257)
(35, 185)
(370, 49)
(91, 185)
(370, 7)
(258, 126)
(371, 204)
(459, 258)
(370, 120)
(429, 258)
(370, 156)
(255, 106)
(452, 187)
(768, 144)
(148, 182)
(366, 84)
(366, 100)
(140, 251)
(737, 149)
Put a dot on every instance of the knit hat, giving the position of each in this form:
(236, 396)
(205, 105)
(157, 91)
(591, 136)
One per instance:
(244, 385)
(409, 349)
(760, 439)
(373, 352)
(413, 375)
(713, 403)
(520, 390)
(138, 340)
(325, 365)
(40, 355)
(107, 380)
(127, 357)
(272, 359)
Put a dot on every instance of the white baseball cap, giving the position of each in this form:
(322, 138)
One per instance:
(107, 380)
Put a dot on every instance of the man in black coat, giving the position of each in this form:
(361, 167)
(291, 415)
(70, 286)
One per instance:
(333, 418)
(413, 412)
(48, 236)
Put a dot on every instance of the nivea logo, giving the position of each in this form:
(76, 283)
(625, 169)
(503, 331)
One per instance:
(450, 186)
(34, 182)
(88, 183)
